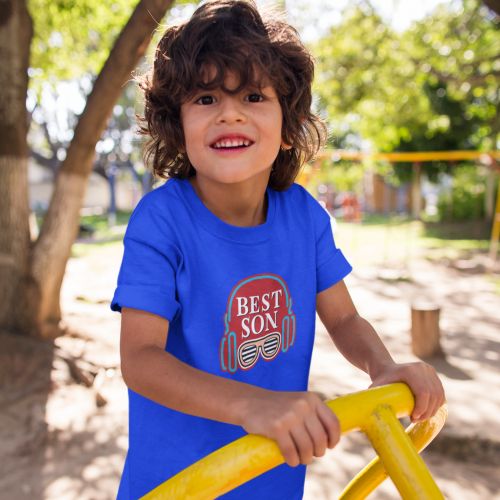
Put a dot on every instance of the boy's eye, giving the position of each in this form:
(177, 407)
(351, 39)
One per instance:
(205, 100)
(255, 98)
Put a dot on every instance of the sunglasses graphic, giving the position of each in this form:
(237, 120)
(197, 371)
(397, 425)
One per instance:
(236, 351)
(268, 347)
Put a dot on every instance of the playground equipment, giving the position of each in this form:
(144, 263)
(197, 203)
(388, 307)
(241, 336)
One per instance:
(416, 159)
(374, 411)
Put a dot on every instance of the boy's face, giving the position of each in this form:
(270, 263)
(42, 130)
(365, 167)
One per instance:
(232, 138)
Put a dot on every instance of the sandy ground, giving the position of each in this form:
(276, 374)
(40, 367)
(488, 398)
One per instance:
(59, 441)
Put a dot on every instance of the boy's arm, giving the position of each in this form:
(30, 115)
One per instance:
(301, 424)
(358, 342)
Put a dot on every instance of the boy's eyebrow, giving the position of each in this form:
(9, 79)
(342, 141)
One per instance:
(196, 91)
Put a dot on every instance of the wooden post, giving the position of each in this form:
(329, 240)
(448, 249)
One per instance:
(416, 190)
(425, 332)
(489, 198)
(495, 230)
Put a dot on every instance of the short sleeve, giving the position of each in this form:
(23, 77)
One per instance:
(331, 264)
(146, 279)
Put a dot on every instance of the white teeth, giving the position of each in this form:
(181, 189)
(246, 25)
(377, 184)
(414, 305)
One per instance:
(231, 143)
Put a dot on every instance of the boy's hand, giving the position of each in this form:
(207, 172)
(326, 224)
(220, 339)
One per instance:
(300, 423)
(423, 382)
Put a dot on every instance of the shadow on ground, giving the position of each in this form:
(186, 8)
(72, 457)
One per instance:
(41, 459)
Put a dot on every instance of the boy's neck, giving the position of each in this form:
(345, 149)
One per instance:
(242, 205)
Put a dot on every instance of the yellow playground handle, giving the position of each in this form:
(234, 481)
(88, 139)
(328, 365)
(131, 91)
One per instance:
(374, 411)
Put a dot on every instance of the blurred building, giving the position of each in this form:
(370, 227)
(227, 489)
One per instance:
(98, 195)
(381, 197)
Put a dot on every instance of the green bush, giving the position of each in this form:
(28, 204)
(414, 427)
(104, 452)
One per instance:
(466, 199)
(344, 175)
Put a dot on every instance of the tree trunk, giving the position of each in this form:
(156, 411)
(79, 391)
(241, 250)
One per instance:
(15, 38)
(52, 249)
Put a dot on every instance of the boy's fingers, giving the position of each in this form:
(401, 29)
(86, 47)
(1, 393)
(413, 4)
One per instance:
(436, 408)
(303, 444)
(318, 435)
(436, 398)
(288, 450)
(330, 423)
(421, 404)
(433, 405)
(439, 399)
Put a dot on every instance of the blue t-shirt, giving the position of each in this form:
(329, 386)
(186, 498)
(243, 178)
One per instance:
(241, 302)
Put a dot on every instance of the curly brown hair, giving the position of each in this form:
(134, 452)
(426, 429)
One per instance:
(229, 35)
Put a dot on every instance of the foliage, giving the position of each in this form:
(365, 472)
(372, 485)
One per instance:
(459, 66)
(433, 87)
(343, 176)
(365, 83)
(99, 223)
(460, 57)
(465, 201)
(73, 38)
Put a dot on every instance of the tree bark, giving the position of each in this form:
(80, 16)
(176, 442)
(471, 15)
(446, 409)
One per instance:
(15, 285)
(52, 249)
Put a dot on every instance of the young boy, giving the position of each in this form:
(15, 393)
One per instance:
(226, 264)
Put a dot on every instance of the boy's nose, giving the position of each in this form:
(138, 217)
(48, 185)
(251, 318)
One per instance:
(230, 110)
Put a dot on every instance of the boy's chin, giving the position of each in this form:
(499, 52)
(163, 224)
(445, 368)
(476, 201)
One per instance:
(234, 178)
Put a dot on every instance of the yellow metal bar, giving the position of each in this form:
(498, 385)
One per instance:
(421, 434)
(419, 156)
(402, 462)
(221, 471)
(250, 456)
(353, 410)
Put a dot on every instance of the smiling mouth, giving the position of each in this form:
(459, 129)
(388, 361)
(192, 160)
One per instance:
(231, 144)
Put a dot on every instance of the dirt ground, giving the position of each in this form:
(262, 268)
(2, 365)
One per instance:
(63, 408)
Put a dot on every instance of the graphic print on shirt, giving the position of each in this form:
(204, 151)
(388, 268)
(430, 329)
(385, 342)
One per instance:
(259, 322)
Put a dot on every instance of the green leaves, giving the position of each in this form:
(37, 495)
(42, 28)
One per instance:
(434, 86)
(74, 37)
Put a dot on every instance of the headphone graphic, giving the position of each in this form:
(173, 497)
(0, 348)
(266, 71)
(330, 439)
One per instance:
(230, 351)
